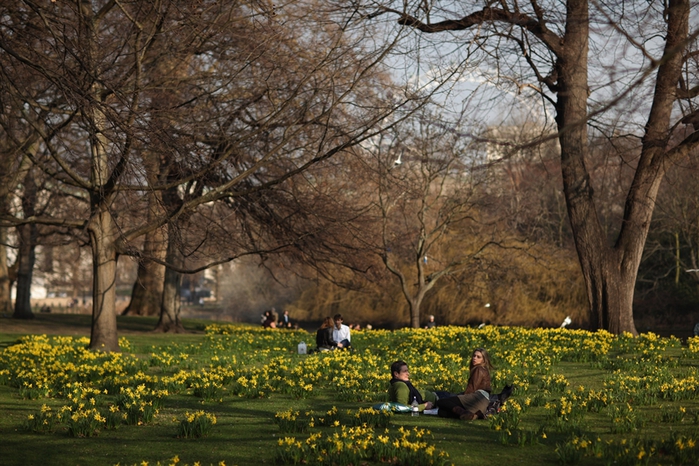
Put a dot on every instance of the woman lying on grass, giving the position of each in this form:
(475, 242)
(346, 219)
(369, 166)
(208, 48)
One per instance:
(473, 402)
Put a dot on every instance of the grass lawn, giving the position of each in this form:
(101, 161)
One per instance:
(581, 398)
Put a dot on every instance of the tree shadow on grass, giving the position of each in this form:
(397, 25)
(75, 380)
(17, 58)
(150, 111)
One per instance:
(81, 324)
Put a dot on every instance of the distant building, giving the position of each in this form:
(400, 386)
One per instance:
(519, 142)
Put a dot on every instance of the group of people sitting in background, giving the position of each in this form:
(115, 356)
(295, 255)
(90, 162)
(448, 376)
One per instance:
(333, 334)
(270, 319)
(472, 403)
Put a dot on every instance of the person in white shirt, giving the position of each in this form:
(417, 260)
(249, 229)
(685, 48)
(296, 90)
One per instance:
(341, 332)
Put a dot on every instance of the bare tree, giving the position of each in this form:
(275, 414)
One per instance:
(430, 190)
(17, 139)
(147, 291)
(28, 234)
(262, 94)
(674, 255)
(14, 168)
(547, 48)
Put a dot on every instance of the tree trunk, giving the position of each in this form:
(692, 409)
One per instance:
(28, 238)
(11, 177)
(609, 286)
(610, 291)
(103, 235)
(27, 257)
(5, 282)
(610, 272)
(170, 309)
(147, 294)
(414, 313)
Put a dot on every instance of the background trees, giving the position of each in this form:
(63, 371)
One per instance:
(564, 54)
(429, 191)
(230, 99)
(447, 227)
(667, 284)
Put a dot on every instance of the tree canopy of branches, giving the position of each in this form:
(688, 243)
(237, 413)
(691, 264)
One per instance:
(625, 70)
(428, 187)
(171, 107)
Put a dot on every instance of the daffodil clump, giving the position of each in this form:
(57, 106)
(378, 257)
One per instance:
(356, 445)
(210, 384)
(672, 414)
(693, 346)
(43, 421)
(507, 423)
(41, 367)
(624, 418)
(370, 417)
(328, 418)
(626, 452)
(84, 422)
(555, 383)
(292, 422)
(196, 424)
(140, 404)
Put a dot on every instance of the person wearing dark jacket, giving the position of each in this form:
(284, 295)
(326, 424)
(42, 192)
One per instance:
(324, 336)
(401, 391)
(473, 402)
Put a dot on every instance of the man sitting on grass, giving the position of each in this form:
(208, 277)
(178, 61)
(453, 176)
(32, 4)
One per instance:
(341, 332)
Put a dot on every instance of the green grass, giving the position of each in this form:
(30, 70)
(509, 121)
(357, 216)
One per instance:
(245, 432)
(243, 435)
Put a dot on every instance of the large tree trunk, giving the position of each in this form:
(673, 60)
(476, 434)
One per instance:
(104, 261)
(5, 281)
(16, 173)
(27, 257)
(170, 310)
(598, 262)
(147, 294)
(610, 290)
(102, 228)
(610, 272)
(28, 238)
